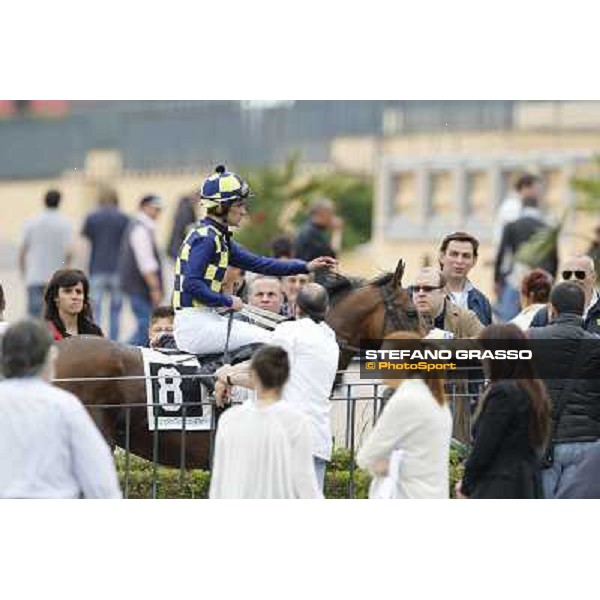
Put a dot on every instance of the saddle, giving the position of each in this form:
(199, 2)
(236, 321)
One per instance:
(209, 363)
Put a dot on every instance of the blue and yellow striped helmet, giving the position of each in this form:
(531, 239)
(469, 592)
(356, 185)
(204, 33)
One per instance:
(224, 187)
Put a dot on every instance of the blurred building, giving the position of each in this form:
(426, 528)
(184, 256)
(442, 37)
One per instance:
(437, 165)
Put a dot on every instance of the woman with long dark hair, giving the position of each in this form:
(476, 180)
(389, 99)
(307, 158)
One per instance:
(512, 426)
(67, 308)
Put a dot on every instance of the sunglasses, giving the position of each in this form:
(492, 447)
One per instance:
(426, 288)
(581, 275)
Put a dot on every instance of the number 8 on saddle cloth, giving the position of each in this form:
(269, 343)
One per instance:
(170, 386)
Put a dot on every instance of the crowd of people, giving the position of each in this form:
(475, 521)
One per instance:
(531, 438)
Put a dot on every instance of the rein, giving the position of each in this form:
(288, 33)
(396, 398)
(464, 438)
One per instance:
(398, 317)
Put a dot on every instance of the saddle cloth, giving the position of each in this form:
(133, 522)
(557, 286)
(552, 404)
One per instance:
(176, 379)
(175, 397)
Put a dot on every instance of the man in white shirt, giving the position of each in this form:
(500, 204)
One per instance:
(314, 354)
(45, 248)
(50, 446)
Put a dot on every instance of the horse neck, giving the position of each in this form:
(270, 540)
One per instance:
(351, 319)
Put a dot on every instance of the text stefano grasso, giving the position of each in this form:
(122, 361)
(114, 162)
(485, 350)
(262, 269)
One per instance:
(448, 354)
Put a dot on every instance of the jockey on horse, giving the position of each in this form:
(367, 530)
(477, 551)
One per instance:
(203, 259)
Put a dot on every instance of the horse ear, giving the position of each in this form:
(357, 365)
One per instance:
(399, 273)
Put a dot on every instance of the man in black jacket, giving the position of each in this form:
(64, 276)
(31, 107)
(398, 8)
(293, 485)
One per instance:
(321, 234)
(575, 393)
(507, 271)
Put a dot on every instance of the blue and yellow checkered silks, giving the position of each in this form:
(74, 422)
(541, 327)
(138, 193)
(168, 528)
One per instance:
(215, 271)
(224, 186)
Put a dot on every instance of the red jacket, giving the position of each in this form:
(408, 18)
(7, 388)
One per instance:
(56, 334)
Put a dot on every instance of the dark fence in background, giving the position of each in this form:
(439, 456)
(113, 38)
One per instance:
(197, 134)
(356, 407)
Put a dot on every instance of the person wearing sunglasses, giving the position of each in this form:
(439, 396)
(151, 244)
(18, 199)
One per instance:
(444, 319)
(579, 269)
(437, 311)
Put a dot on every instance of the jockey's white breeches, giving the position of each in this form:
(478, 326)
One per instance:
(203, 331)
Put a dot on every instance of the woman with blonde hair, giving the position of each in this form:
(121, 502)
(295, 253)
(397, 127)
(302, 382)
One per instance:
(413, 433)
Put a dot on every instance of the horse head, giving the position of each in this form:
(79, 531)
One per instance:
(400, 313)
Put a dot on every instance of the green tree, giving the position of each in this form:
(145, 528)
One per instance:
(282, 196)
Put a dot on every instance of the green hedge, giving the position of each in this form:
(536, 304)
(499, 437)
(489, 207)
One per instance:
(196, 483)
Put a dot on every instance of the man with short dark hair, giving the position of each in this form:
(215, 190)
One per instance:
(161, 325)
(458, 255)
(575, 393)
(50, 446)
(508, 272)
(140, 266)
(314, 354)
(46, 247)
(292, 284)
(104, 229)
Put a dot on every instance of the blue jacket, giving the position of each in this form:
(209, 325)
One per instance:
(480, 305)
(203, 260)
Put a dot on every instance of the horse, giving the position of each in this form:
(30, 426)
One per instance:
(110, 384)
(110, 376)
(369, 311)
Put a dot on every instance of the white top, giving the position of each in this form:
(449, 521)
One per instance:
(461, 298)
(314, 355)
(414, 422)
(3, 326)
(49, 445)
(47, 239)
(263, 452)
(141, 244)
(524, 318)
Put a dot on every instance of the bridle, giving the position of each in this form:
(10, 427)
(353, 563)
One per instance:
(399, 317)
(396, 315)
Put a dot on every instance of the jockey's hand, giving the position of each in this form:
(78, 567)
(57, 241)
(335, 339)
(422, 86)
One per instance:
(237, 303)
(322, 262)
